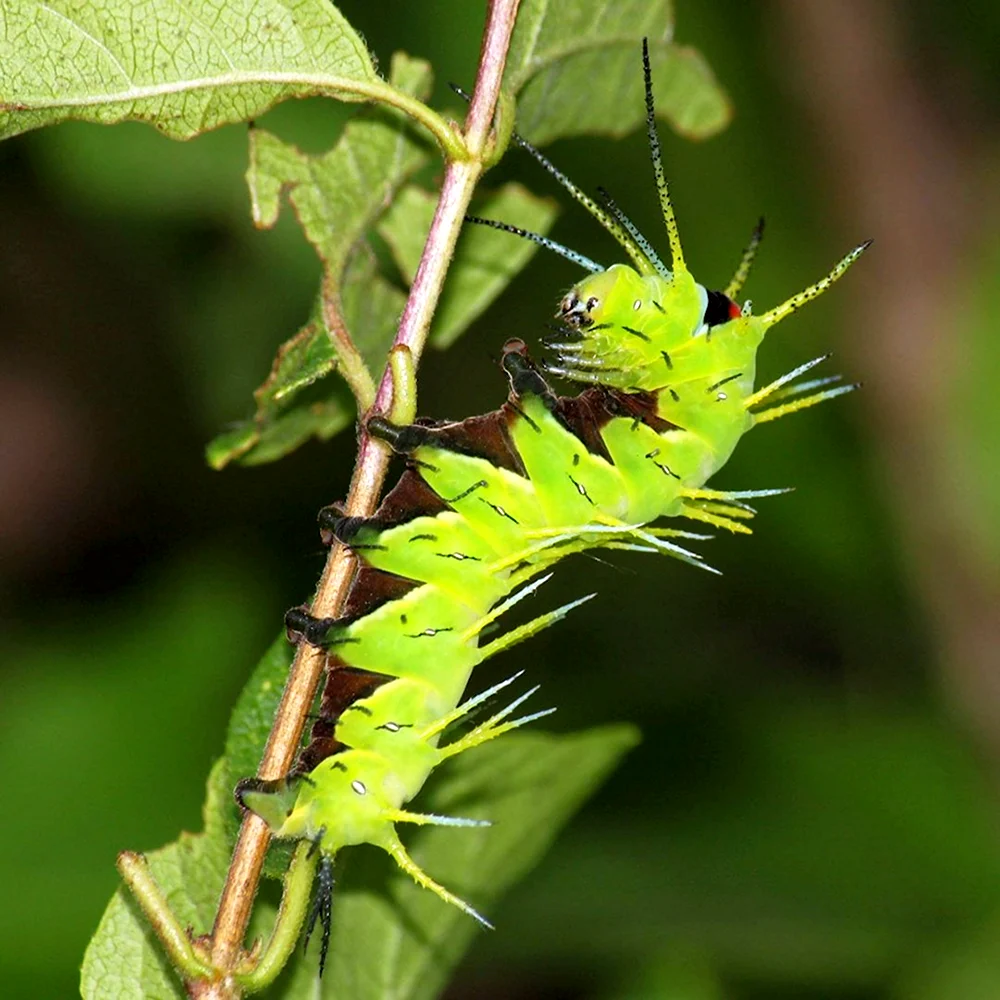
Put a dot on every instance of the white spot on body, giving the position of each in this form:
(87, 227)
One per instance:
(359, 787)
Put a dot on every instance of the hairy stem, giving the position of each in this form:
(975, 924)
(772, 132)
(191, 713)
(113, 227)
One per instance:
(307, 667)
(136, 875)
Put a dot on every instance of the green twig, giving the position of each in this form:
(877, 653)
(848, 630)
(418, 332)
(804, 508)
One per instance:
(262, 971)
(136, 875)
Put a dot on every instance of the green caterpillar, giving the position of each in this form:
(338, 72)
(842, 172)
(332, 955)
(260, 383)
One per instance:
(490, 503)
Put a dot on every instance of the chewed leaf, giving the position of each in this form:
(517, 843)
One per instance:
(283, 419)
(184, 68)
(485, 260)
(298, 400)
(572, 68)
(337, 196)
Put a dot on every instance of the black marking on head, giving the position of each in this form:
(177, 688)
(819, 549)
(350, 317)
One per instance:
(402, 619)
(718, 309)
(428, 633)
(576, 459)
(722, 381)
(666, 358)
(674, 396)
(656, 305)
(635, 333)
(363, 709)
(338, 765)
(423, 538)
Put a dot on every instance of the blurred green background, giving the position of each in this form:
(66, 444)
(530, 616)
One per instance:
(813, 813)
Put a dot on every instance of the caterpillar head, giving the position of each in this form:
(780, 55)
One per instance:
(621, 322)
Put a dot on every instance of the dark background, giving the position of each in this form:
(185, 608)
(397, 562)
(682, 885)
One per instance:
(812, 813)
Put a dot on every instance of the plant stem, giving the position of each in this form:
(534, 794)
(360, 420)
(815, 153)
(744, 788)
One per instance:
(369, 472)
(264, 969)
(136, 875)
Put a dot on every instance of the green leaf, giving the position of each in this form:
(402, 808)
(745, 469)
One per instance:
(285, 417)
(336, 196)
(184, 68)
(124, 961)
(575, 68)
(249, 727)
(392, 939)
(486, 260)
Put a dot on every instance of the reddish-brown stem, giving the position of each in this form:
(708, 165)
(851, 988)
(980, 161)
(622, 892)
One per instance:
(307, 667)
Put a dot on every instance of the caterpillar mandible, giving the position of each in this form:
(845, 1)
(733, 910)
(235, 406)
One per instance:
(489, 504)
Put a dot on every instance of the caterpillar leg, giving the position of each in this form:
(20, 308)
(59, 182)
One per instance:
(272, 800)
(304, 627)
(402, 438)
(335, 527)
(525, 380)
(524, 377)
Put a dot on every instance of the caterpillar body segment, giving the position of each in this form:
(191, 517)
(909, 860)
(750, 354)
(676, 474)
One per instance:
(487, 505)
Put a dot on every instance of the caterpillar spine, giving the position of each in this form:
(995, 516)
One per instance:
(489, 504)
